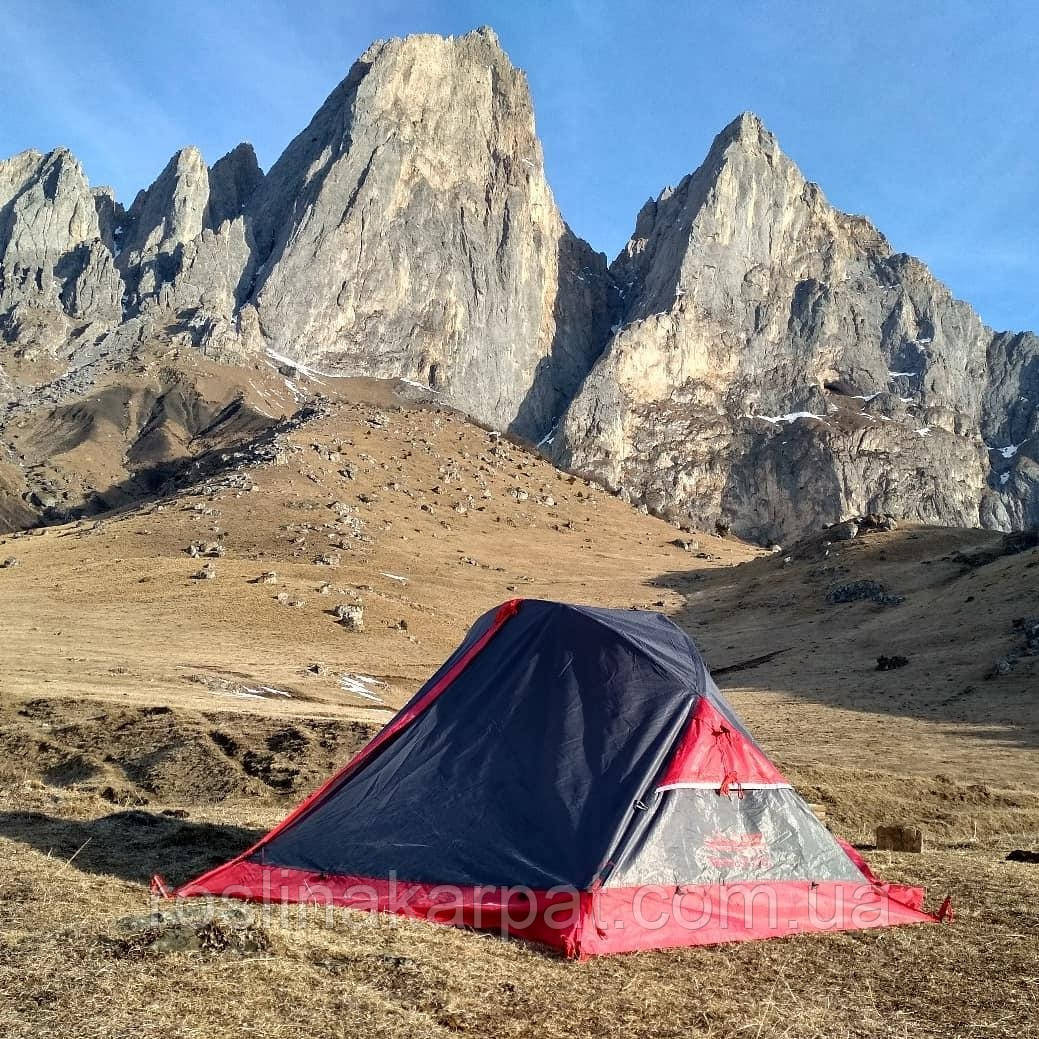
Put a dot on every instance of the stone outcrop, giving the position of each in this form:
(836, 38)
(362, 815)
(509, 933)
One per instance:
(185, 241)
(233, 181)
(187, 253)
(166, 216)
(777, 366)
(1010, 426)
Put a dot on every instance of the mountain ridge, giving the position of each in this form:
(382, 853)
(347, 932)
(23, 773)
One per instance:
(409, 232)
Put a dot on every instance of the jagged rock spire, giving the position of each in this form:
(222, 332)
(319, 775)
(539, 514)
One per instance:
(55, 268)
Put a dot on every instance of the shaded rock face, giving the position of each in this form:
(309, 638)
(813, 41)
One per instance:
(233, 181)
(777, 367)
(409, 231)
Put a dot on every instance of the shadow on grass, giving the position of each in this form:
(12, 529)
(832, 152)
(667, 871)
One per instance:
(131, 845)
(772, 626)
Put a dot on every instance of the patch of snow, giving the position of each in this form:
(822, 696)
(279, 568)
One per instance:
(295, 390)
(924, 431)
(303, 369)
(925, 340)
(273, 691)
(362, 685)
(263, 396)
(282, 359)
(417, 385)
(549, 437)
(1004, 477)
(394, 577)
(902, 375)
(867, 397)
(793, 416)
(1007, 452)
(245, 692)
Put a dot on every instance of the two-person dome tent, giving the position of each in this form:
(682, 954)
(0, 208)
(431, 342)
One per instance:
(570, 775)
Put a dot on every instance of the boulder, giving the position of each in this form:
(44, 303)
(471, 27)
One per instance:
(899, 838)
(350, 616)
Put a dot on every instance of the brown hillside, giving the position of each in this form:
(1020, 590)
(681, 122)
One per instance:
(155, 721)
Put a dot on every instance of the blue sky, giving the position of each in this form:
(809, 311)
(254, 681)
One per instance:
(922, 115)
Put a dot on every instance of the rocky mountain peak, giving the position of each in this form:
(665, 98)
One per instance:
(731, 206)
(37, 191)
(172, 211)
(233, 180)
(473, 284)
(746, 294)
(186, 242)
(749, 131)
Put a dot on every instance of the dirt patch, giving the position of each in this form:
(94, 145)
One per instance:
(135, 756)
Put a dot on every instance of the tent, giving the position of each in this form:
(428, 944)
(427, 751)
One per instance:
(570, 775)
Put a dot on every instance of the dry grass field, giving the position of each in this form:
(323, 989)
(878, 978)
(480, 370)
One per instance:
(152, 721)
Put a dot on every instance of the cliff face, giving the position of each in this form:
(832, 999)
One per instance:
(753, 357)
(57, 275)
(777, 366)
(409, 231)
(1010, 426)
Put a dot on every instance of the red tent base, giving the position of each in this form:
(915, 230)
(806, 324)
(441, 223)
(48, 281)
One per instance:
(582, 923)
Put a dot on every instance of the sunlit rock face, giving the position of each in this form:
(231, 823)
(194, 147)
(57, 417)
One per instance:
(777, 367)
(409, 231)
(57, 275)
